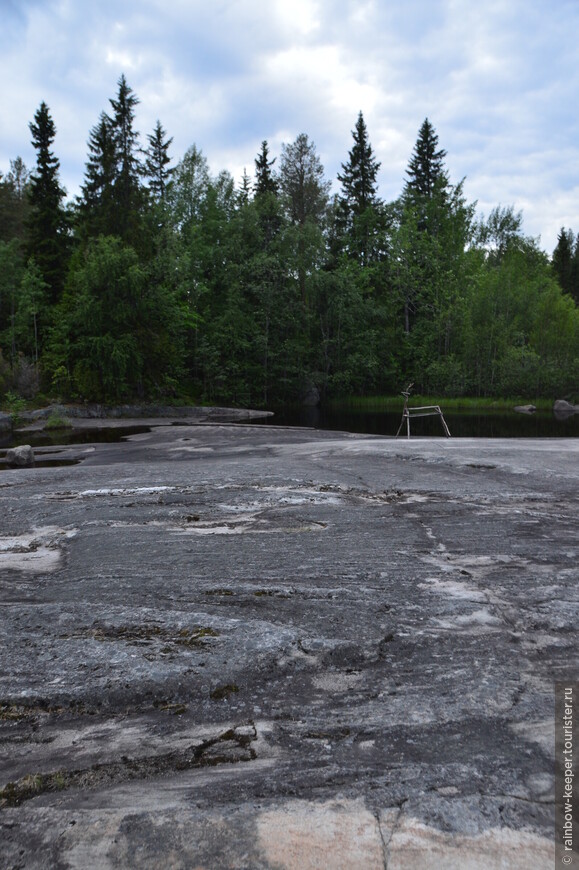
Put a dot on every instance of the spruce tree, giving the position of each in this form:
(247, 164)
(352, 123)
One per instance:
(244, 193)
(575, 271)
(434, 228)
(265, 181)
(127, 186)
(157, 162)
(48, 238)
(113, 198)
(358, 204)
(266, 196)
(426, 171)
(563, 259)
(358, 178)
(97, 203)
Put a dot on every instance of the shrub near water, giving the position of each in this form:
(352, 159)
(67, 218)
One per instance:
(57, 421)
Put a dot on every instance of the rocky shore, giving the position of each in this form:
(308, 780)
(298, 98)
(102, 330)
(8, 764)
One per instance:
(236, 646)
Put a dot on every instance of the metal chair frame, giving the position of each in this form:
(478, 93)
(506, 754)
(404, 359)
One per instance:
(419, 411)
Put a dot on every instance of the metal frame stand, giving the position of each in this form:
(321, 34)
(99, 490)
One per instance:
(420, 411)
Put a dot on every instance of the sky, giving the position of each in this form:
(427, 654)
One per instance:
(498, 80)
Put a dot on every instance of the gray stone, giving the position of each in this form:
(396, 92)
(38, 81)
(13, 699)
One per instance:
(5, 422)
(562, 408)
(525, 409)
(248, 647)
(197, 413)
(20, 457)
(49, 411)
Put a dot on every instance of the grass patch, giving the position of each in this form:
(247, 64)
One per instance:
(57, 421)
(460, 403)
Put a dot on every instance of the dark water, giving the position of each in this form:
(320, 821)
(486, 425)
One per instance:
(505, 424)
(62, 437)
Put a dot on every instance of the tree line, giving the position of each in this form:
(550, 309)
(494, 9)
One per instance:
(163, 281)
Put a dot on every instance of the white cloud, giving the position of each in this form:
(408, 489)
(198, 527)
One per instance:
(497, 78)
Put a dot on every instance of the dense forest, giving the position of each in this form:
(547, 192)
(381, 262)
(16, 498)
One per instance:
(162, 281)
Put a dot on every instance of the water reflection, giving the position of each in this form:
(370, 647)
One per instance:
(504, 424)
(56, 437)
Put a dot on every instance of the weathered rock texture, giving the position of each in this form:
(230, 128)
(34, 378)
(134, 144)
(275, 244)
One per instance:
(240, 647)
(20, 457)
(196, 413)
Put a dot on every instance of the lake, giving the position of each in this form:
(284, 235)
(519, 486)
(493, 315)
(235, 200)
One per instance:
(481, 424)
(462, 424)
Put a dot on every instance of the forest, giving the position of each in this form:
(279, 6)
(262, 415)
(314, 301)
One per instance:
(164, 282)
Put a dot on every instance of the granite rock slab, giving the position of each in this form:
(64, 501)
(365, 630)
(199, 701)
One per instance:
(242, 646)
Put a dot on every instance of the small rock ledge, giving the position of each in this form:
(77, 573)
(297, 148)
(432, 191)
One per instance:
(102, 412)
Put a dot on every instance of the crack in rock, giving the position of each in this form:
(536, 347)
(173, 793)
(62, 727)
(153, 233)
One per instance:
(231, 746)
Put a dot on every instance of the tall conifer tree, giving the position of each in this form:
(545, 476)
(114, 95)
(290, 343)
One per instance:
(128, 192)
(266, 190)
(563, 259)
(157, 162)
(575, 271)
(48, 239)
(358, 203)
(97, 203)
(359, 174)
(426, 171)
(113, 199)
(265, 181)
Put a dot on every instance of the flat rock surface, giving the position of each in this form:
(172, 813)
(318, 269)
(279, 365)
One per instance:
(249, 647)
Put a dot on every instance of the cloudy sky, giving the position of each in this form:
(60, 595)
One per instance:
(498, 79)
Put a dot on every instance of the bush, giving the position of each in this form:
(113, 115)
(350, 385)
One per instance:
(56, 420)
(15, 405)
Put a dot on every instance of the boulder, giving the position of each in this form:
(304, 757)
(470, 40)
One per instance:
(20, 457)
(45, 413)
(562, 408)
(525, 409)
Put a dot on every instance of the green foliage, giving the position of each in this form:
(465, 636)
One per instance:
(32, 312)
(522, 331)
(57, 421)
(265, 181)
(48, 230)
(160, 282)
(14, 201)
(113, 199)
(565, 262)
(426, 172)
(157, 162)
(358, 214)
(14, 405)
(96, 206)
(117, 333)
